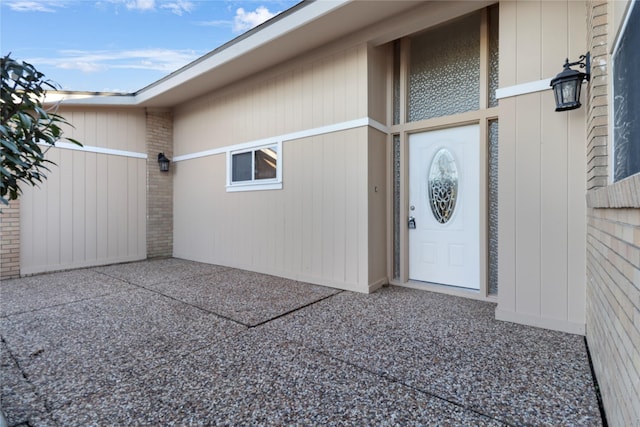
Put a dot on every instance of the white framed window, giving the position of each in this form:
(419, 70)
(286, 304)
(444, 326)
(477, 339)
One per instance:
(255, 168)
(626, 97)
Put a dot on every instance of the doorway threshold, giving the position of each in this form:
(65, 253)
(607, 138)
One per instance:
(447, 289)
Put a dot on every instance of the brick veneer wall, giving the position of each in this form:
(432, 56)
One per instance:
(598, 113)
(10, 240)
(613, 246)
(159, 184)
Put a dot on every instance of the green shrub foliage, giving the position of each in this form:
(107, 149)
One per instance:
(27, 129)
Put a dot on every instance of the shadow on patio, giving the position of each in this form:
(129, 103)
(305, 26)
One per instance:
(173, 342)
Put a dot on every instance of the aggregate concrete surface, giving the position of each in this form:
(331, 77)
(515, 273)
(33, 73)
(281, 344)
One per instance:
(178, 343)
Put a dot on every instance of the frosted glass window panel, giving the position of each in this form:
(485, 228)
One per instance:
(493, 207)
(396, 206)
(494, 57)
(396, 82)
(626, 100)
(444, 71)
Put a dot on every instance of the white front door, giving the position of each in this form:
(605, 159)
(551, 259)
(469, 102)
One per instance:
(444, 206)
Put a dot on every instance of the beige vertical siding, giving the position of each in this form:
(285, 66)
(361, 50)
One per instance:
(377, 208)
(316, 228)
(541, 171)
(92, 208)
(377, 79)
(301, 96)
(116, 129)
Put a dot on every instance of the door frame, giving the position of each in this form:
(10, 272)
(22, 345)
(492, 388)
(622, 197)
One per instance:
(401, 278)
(400, 129)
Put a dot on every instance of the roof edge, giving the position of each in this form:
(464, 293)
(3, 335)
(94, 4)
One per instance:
(272, 29)
(283, 23)
(91, 98)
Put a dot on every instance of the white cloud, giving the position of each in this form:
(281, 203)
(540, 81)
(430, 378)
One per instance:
(245, 21)
(85, 67)
(141, 4)
(216, 23)
(163, 60)
(178, 7)
(34, 6)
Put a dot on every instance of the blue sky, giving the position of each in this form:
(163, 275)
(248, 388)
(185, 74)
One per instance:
(122, 45)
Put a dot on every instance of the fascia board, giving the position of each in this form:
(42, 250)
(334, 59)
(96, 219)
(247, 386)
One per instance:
(90, 99)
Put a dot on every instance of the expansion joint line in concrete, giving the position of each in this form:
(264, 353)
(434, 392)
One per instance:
(293, 311)
(15, 361)
(419, 390)
(250, 326)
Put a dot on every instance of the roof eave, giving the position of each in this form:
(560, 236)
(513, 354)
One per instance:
(304, 27)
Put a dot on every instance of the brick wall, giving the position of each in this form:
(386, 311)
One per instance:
(613, 247)
(159, 184)
(10, 240)
(598, 113)
(613, 309)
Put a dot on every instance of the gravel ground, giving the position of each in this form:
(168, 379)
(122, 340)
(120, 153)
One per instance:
(178, 343)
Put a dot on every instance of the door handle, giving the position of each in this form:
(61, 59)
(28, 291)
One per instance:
(412, 222)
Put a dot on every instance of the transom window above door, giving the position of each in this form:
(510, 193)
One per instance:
(444, 72)
(443, 69)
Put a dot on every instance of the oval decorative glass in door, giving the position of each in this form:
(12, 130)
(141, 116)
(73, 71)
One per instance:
(443, 185)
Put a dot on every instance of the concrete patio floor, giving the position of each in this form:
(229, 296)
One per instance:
(174, 342)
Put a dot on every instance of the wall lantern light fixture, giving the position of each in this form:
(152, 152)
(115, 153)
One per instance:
(163, 162)
(567, 84)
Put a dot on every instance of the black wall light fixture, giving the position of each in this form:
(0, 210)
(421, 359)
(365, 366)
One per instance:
(163, 162)
(567, 84)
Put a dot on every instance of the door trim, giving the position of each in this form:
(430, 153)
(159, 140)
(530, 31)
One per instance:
(482, 118)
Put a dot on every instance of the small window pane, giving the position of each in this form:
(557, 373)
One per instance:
(266, 163)
(241, 167)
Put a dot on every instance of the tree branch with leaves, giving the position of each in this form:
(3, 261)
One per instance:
(27, 129)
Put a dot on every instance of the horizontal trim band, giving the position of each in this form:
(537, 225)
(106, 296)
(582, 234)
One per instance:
(337, 127)
(524, 88)
(99, 150)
